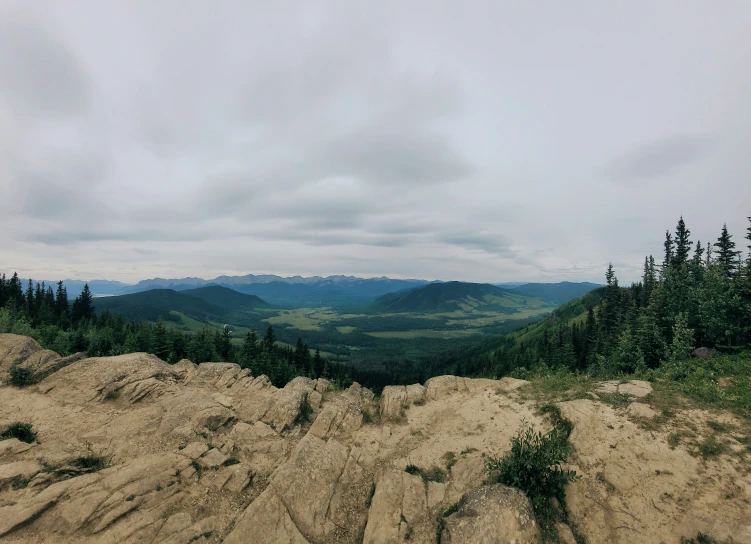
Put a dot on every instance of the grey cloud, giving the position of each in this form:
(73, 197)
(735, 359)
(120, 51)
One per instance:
(39, 73)
(488, 242)
(350, 136)
(394, 155)
(658, 158)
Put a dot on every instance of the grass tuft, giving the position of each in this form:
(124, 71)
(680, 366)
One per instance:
(22, 431)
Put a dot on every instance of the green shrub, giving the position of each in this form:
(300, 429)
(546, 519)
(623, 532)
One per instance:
(20, 376)
(367, 416)
(22, 431)
(231, 461)
(534, 466)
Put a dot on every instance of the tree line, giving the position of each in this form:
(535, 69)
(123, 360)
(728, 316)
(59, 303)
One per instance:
(64, 327)
(697, 296)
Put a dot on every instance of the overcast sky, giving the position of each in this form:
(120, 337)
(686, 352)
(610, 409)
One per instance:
(479, 141)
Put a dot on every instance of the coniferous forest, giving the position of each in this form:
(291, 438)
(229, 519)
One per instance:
(695, 295)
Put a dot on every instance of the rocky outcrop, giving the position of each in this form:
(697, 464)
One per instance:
(343, 415)
(633, 388)
(491, 514)
(319, 492)
(126, 379)
(401, 508)
(130, 449)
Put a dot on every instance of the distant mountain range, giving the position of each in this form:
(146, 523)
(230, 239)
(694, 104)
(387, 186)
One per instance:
(317, 291)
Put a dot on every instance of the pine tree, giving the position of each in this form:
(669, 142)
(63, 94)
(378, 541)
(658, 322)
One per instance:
(697, 262)
(318, 364)
(62, 309)
(682, 243)
(648, 280)
(668, 245)
(30, 299)
(708, 262)
(249, 352)
(223, 341)
(298, 357)
(82, 306)
(727, 256)
(159, 342)
(269, 340)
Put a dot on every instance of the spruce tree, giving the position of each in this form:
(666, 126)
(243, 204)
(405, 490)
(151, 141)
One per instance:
(682, 243)
(727, 256)
(62, 309)
(269, 340)
(223, 343)
(668, 245)
(249, 352)
(299, 355)
(318, 364)
(159, 341)
(30, 299)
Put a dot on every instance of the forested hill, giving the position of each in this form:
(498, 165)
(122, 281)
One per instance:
(453, 295)
(227, 298)
(698, 296)
(212, 302)
(558, 293)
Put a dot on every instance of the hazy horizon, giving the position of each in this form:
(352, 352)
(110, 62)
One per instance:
(485, 142)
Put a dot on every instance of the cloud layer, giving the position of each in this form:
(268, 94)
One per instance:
(487, 142)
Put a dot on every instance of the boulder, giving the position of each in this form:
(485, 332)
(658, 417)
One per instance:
(323, 385)
(398, 508)
(343, 415)
(288, 405)
(634, 388)
(702, 353)
(490, 515)
(393, 400)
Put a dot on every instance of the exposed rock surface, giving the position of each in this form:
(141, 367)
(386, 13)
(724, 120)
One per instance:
(633, 388)
(133, 450)
(491, 514)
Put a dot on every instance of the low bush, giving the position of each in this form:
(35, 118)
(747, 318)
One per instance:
(534, 465)
(20, 376)
(22, 431)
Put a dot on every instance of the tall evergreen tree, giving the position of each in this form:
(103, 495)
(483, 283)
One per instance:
(318, 364)
(83, 307)
(269, 340)
(30, 299)
(61, 301)
(668, 245)
(224, 343)
(159, 341)
(682, 243)
(249, 352)
(697, 262)
(727, 256)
